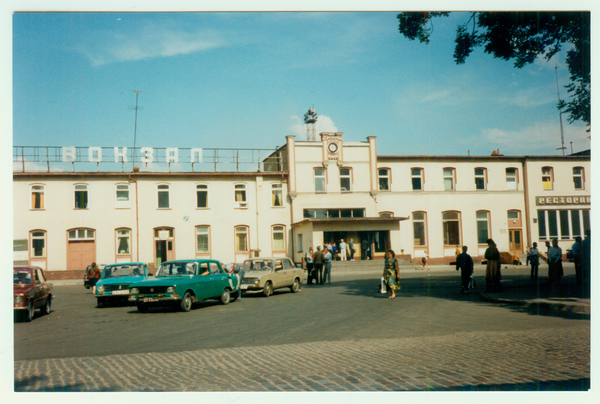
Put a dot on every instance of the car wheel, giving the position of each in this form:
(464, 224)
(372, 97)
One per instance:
(29, 312)
(296, 286)
(268, 289)
(142, 308)
(225, 297)
(47, 306)
(186, 302)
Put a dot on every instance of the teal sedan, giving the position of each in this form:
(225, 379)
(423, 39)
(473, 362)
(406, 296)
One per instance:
(184, 282)
(115, 279)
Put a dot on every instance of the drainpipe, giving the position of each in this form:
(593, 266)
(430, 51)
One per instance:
(137, 231)
(526, 193)
(256, 204)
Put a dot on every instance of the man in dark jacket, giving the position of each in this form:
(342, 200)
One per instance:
(318, 261)
(465, 263)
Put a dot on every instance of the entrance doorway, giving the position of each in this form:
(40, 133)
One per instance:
(163, 245)
(81, 248)
(514, 241)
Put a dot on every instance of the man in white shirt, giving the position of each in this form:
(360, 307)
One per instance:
(327, 271)
(343, 250)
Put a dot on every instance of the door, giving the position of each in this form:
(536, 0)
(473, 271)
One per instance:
(80, 254)
(163, 245)
(514, 241)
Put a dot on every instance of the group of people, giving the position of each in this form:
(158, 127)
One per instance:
(318, 264)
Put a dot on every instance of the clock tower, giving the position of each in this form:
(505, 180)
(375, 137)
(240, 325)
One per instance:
(332, 148)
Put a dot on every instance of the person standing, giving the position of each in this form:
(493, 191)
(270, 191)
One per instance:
(318, 263)
(351, 246)
(310, 267)
(576, 250)
(586, 258)
(555, 269)
(93, 273)
(391, 273)
(364, 249)
(515, 259)
(424, 260)
(343, 246)
(327, 271)
(533, 256)
(457, 252)
(464, 262)
(492, 270)
(334, 251)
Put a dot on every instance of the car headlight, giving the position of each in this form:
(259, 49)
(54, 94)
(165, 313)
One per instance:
(100, 288)
(134, 291)
(19, 299)
(171, 289)
(256, 281)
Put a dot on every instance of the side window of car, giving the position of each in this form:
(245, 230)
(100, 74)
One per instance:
(278, 265)
(41, 275)
(203, 269)
(287, 264)
(214, 268)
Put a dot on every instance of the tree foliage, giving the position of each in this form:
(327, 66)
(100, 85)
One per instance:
(521, 37)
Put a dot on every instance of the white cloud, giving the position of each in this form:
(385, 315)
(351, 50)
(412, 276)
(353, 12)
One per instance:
(541, 138)
(531, 97)
(324, 124)
(149, 42)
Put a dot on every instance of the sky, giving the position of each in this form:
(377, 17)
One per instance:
(245, 80)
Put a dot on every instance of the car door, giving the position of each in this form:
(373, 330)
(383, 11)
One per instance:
(218, 279)
(44, 286)
(289, 272)
(37, 289)
(203, 285)
(278, 274)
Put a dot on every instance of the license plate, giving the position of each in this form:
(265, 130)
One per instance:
(244, 286)
(120, 292)
(150, 299)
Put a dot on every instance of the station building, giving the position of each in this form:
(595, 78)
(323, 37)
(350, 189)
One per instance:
(300, 195)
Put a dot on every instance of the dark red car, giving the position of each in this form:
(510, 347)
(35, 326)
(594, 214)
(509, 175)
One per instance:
(31, 292)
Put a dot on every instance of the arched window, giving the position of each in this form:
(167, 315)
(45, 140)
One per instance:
(345, 179)
(123, 237)
(202, 239)
(384, 178)
(201, 196)
(547, 178)
(449, 179)
(37, 196)
(578, 178)
(416, 176)
(240, 196)
(276, 195)
(420, 229)
(241, 239)
(278, 238)
(483, 226)
(320, 175)
(451, 228)
(38, 244)
(481, 179)
(81, 196)
(163, 196)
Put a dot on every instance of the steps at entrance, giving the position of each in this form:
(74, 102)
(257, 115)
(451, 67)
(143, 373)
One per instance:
(366, 265)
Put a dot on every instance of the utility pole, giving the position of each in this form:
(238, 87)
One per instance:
(562, 136)
(137, 93)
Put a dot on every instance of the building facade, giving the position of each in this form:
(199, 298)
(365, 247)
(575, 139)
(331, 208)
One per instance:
(304, 194)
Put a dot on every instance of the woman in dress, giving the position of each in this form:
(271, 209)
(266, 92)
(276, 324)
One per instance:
(391, 273)
(424, 260)
(492, 270)
(310, 265)
(555, 269)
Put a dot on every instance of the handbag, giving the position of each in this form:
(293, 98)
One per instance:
(383, 289)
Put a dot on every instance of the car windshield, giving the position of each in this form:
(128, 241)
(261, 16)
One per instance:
(257, 265)
(22, 277)
(115, 271)
(178, 269)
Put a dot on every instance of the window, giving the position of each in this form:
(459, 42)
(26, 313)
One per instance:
(320, 180)
(38, 243)
(122, 192)
(163, 196)
(513, 215)
(416, 175)
(480, 178)
(333, 213)
(123, 242)
(578, 177)
(37, 197)
(202, 196)
(278, 238)
(566, 224)
(547, 178)
(345, 179)
(241, 239)
(81, 197)
(483, 226)
(81, 234)
(202, 239)
(384, 179)
(420, 229)
(511, 179)
(449, 179)
(300, 249)
(277, 195)
(240, 196)
(386, 214)
(451, 226)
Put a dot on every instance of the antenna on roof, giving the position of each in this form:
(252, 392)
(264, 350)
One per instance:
(137, 93)
(310, 119)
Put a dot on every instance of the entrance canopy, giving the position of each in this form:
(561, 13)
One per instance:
(351, 224)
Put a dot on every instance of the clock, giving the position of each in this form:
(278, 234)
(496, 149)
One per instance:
(332, 147)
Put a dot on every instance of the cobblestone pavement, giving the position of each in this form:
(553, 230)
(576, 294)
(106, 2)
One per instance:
(532, 360)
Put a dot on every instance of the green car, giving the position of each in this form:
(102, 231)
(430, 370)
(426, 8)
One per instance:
(184, 282)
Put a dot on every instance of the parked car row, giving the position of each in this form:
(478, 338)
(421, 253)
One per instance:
(179, 283)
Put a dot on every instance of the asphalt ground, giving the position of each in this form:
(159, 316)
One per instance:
(339, 337)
